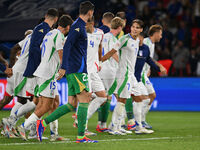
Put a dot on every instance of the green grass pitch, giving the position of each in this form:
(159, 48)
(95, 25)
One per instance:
(173, 131)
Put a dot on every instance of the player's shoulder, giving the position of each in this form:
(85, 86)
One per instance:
(145, 47)
(99, 31)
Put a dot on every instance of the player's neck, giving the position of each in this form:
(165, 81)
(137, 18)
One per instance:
(49, 22)
(133, 36)
(152, 39)
(107, 24)
(114, 32)
(84, 18)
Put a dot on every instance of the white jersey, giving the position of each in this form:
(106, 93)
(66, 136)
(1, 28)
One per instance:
(22, 61)
(94, 41)
(151, 46)
(50, 61)
(127, 56)
(109, 67)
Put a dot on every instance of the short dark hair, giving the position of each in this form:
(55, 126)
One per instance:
(154, 28)
(121, 14)
(138, 21)
(65, 20)
(108, 16)
(52, 12)
(85, 7)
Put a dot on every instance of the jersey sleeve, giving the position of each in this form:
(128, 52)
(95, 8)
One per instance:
(20, 43)
(150, 61)
(59, 42)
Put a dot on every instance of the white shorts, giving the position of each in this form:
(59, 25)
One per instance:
(10, 86)
(95, 82)
(20, 84)
(56, 91)
(110, 86)
(46, 89)
(124, 87)
(148, 85)
(31, 84)
(139, 89)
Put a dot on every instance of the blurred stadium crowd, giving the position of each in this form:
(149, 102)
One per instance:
(180, 19)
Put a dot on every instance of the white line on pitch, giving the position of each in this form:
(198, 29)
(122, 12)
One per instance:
(109, 140)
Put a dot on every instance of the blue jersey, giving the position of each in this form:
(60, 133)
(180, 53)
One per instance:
(75, 49)
(34, 57)
(2, 67)
(143, 56)
(105, 29)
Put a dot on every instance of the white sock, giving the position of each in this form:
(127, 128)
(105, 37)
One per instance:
(137, 110)
(94, 105)
(117, 115)
(15, 108)
(33, 118)
(29, 106)
(54, 127)
(123, 118)
(145, 108)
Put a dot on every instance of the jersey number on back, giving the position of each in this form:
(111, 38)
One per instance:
(43, 47)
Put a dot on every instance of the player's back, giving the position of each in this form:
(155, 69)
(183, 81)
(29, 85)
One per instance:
(94, 40)
(75, 49)
(50, 60)
(34, 50)
(109, 67)
(21, 63)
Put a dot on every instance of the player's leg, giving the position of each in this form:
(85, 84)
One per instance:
(147, 106)
(124, 92)
(110, 86)
(129, 112)
(100, 95)
(8, 95)
(6, 99)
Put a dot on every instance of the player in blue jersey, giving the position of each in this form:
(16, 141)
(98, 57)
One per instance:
(34, 56)
(106, 20)
(74, 66)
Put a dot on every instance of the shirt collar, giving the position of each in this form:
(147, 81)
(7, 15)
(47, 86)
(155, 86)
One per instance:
(81, 21)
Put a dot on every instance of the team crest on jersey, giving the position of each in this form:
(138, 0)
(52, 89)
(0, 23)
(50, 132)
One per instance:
(140, 53)
(132, 45)
(77, 29)
(41, 30)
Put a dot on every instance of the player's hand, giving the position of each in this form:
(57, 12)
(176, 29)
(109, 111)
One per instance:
(99, 68)
(61, 73)
(149, 73)
(163, 71)
(8, 72)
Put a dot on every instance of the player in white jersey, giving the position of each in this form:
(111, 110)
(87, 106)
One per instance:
(110, 44)
(16, 79)
(155, 34)
(94, 53)
(51, 56)
(8, 95)
(125, 74)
